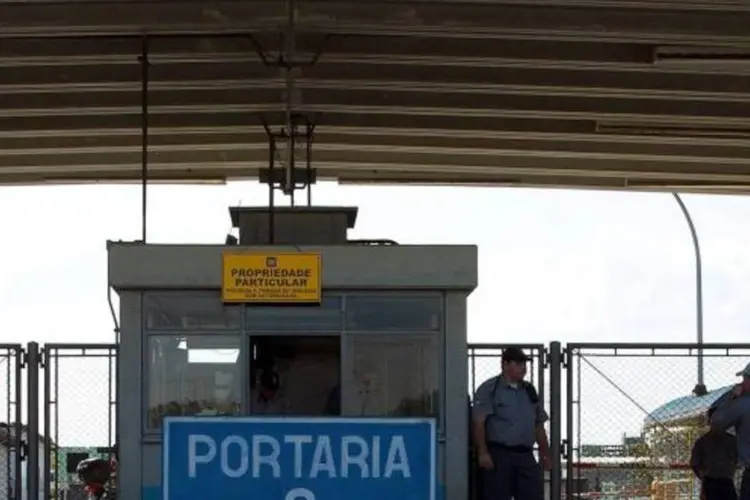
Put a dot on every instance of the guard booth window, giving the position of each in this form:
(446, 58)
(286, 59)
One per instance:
(192, 348)
(393, 355)
(323, 318)
(390, 346)
(393, 376)
(172, 310)
(384, 312)
(308, 369)
(193, 375)
(301, 345)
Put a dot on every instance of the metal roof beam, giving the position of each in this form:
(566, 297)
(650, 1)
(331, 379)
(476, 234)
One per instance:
(575, 174)
(401, 157)
(339, 72)
(364, 99)
(461, 20)
(97, 143)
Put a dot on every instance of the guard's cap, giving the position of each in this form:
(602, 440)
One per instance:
(745, 371)
(514, 354)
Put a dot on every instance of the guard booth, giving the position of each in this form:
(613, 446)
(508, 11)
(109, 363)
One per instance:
(352, 328)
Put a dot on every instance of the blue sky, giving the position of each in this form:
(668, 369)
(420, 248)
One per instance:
(554, 265)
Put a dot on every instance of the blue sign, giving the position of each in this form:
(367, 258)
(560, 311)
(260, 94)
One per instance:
(230, 458)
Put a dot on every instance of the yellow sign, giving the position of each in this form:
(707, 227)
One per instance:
(271, 278)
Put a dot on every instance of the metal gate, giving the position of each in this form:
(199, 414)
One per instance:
(60, 400)
(79, 410)
(11, 427)
(44, 430)
(484, 363)
(637, 398)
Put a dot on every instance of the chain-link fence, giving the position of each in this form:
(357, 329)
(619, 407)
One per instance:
(11, 427)
(484, 363)
(79, 411)
(629, 419)
(632, 419)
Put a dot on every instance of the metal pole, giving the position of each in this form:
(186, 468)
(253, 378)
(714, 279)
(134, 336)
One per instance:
(541, 386)
(271, 189)
(144, 134)
(555, 426)
(17, 425)
(700, 387)
(289, 77)
(570, 440)
(48, 430)
(308, 159)
(32, 433)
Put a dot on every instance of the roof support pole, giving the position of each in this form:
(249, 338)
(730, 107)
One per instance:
(271, 189)
(309, 131)
(144, 136)
(289, 64)
(700, 387)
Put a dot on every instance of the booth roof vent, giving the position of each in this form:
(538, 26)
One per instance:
(293, 225)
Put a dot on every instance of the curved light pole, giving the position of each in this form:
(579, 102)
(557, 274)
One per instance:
(700, 387)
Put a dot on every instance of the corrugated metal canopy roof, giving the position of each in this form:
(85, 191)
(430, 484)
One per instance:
(579, 93)
(684, 408)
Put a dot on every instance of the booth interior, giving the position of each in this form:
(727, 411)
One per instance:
(386, 339)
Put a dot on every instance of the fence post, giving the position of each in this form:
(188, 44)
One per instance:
(555, 406)
(570, 441)
(32, 432)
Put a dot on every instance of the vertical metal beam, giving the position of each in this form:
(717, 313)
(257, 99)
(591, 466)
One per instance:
(555, 435)
(48, 448)
(700, 387)
(541, 386)
(289, 59)
(309, 130)
(570, 441)
(540, 369)
(17, 415)
(144, 135)
(271, 189)
(32, 432)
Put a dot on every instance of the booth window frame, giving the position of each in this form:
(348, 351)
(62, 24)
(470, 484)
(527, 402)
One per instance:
(425, 332)
(241, 365)
(245, 334)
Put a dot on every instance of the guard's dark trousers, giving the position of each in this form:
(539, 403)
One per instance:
(516, 475)
(719, 488)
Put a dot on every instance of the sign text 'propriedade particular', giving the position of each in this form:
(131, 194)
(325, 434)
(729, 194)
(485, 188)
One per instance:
(272, 278)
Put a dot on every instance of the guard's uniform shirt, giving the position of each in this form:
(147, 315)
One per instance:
(277, 405)
(511, 415)
(511, 418)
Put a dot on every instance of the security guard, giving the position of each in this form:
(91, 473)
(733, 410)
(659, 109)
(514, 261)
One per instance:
(507, 419)
(266, 399)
